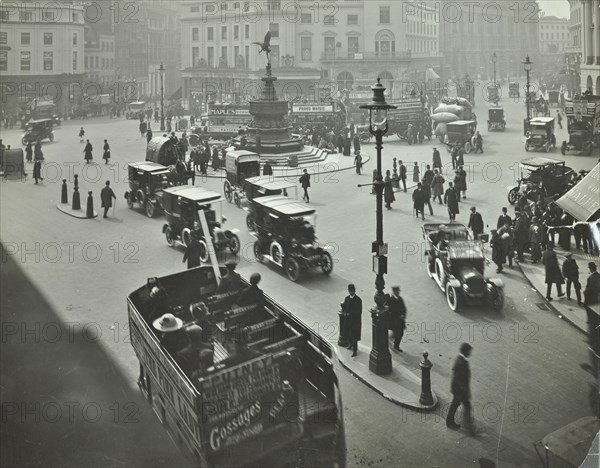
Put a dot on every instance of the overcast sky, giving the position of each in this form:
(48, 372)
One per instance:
(558, 8)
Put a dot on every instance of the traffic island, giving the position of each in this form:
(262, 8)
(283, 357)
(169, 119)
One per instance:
(81, 214)
(401, 386)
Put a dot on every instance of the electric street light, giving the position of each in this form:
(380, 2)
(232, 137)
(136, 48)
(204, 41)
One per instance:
(527, 66)
(494, 61)
(162, 97)
(380, 359)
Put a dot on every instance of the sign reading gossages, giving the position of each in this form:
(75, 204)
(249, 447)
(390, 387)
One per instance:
(242, 402)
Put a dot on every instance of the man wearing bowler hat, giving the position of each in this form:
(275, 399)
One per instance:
(397, 316)
(352, 306)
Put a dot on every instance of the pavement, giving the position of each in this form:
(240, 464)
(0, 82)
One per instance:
(564, 308)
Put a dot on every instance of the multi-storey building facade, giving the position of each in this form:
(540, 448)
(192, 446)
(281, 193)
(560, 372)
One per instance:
(554, 35)
(41, 53)
(99, 59)
(471, 32)
(590, 46)
(317, 48)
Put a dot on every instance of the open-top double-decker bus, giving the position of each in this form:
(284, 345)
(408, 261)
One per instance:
(268, 396)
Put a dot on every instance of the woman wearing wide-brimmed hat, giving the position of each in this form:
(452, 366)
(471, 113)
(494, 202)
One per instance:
(171, 334)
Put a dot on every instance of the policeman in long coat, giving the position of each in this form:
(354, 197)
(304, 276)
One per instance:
(352, 306)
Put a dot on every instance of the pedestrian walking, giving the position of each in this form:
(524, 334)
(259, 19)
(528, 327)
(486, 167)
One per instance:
(402, 169)
(437, 186)
(37, 171)
(81, 134)
(427, 176)
(106, 197)
(193, 251)
(570, 271)
(591, 294)
(356, 142)
(388, 191)
(460, 387)
(498, 256)
(305, 182)
(397, 310)
(460, 157)
(352, 306)
(552, 271)
(459, 182)
(358, 162)
(559, 118)
(437, 160)
(38, 155)
(475, 223)
(29, 152)
(88, 152)
(427, 195)
(451, 198)
(418, 197)
(453, 155)
(106, 154)
(148, 136)
(535, 240)
(416, 173)
(478, 142)
(347, 146)
(521, 234)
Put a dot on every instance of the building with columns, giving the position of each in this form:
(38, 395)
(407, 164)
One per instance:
(590, 46)
(317, 48)
(41, 54)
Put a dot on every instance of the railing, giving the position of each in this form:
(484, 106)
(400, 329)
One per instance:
(367, 55)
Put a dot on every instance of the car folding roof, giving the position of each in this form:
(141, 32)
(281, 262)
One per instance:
(284, 205)
(196, 194)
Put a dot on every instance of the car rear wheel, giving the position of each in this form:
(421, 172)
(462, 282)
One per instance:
(497, 301)
(186, 237)
(237, 199)
(250, 222)
(429, 267)
(513, 195)
(234, 244)
(170, 238)
(292, 269)
(547, 147)
(527, 146)
(260, 258)
(326, 263)
(150, 209)
(140, 197)
(203, 252)
(228, 191)
(468, 147)
(452, 297)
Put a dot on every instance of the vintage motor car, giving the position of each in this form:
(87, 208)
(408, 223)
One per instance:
(456, 263)
(147, 180)
(239, 166)
(460, 132)
(496, 119)
(541, 177)
(583, 119)
(285, 235)
(264, 186)
(183, 207)
(540, 134)
(513, 90)
(38, 130)
(493, 93)
(135, 110)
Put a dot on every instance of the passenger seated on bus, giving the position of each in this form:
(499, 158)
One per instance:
(170, 332)
(156, 304)
(252, 295)
(188, 358)
(232, 281)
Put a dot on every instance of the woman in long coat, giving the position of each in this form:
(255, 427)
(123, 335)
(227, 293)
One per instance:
(437, 186)
(37, 151)
(88, 152)
(451, 199)
(388, 191)
(106, 155)
(29, 152)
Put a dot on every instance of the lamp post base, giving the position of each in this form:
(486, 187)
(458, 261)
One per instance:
(380, 359)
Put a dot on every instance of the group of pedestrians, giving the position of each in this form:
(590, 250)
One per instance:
(88, 149)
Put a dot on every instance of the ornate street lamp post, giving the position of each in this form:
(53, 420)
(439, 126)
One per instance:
(162, 97)
(380, 359)
(527, 66)
(494, 61)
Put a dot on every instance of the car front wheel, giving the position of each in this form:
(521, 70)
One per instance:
(250, 222)
(292, 269)
(150, 209)
(203, 252)
(326, 263)
(513, 195)
(260, 258)
(170, 238)
(452, 297)
(234, 244)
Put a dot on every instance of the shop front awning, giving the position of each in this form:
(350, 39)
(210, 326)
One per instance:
(583, 201)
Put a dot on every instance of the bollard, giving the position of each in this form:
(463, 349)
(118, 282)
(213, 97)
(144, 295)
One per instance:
(76, 181)
(344, 321)
(395, 180)
(76, 205)
(63, 196)
(426, 396)
(90, 205)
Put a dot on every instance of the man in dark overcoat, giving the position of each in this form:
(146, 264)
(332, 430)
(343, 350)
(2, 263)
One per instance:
(402, 175)
(88, 152)
(419, 201)
(521, 233)
(553, 274)
(397, 316)
(192, 251)
(37, 171)
(451, 200)
(503, 219)
(356, 142)
(570, 271)
(460, 387)
(475, 222)
(106, 197)
(352, 306)
(437, 159)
